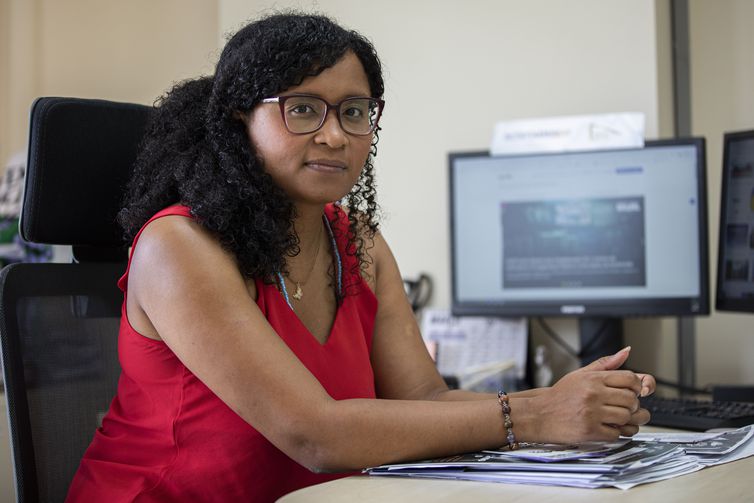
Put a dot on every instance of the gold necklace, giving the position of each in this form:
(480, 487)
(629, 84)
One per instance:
(299, 293)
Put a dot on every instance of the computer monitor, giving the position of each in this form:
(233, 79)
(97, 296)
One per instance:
(599, 234)
(735, 258)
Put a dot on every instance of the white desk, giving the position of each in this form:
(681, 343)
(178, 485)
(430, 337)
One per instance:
(724, 483)
(727, 483)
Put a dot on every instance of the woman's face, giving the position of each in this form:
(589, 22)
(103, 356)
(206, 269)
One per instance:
(319, 167)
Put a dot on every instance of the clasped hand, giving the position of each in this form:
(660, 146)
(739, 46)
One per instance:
(595, 403)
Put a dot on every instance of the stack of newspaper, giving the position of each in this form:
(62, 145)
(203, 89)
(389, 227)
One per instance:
(647, 457)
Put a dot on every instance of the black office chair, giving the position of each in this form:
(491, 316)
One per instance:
(59, 322)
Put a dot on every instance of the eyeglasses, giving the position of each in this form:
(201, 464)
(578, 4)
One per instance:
(304, 114)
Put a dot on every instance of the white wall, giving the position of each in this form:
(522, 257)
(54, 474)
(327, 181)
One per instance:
(126, 51)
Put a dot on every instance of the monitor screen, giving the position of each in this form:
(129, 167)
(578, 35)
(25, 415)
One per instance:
(598, 233)
(735, 258)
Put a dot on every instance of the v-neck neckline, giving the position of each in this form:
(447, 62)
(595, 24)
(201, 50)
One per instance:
(309, 333)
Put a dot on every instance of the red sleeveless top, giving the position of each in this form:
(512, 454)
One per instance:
(168, 438)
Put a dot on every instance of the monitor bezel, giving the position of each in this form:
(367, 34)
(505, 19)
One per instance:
(628, 307)
(721, 302)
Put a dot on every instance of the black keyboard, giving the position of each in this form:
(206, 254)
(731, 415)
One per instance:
(697, 415)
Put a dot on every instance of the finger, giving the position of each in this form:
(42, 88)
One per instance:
(606, 433)
(648, 384)
(621, 397)
(639, 417)
(628, 430)
(623, 379)
(610, 362)
(617, 416)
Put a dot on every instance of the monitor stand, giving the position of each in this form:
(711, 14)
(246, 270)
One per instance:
(599, 337)
(686, 344)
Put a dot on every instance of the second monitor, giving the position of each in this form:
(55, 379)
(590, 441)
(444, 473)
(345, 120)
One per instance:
(735, 270)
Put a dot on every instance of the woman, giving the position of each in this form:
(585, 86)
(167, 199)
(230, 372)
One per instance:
(266, 340)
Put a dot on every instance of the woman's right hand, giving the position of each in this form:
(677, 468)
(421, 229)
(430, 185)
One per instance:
(594, 403)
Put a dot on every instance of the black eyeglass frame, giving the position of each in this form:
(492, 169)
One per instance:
(280, 100)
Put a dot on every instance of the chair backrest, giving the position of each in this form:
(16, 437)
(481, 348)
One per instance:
(59, 322)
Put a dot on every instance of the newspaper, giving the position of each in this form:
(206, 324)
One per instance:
(623, 464)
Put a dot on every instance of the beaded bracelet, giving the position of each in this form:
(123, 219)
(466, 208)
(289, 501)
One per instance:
(502, 398)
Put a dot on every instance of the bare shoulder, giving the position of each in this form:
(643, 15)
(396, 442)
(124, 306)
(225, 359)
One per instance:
(178, 244)
(176, 255)
(167, 233)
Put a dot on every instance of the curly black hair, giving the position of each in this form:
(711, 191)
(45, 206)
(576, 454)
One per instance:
(196, 150)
